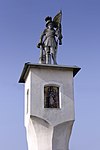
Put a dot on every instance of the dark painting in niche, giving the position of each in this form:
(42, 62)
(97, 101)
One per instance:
(51, 97)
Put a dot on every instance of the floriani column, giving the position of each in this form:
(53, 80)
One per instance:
(49, 94)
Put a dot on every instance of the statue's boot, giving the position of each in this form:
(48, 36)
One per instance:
(54, 59)
(48, 58)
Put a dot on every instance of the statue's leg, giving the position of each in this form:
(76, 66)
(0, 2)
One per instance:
(53, 55)
(48, 58)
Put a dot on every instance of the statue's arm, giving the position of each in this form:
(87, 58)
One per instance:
(41, 38)
(59, 34)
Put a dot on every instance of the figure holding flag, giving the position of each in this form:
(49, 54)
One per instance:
(50, 38)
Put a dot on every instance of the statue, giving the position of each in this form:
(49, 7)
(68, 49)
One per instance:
(49, 39)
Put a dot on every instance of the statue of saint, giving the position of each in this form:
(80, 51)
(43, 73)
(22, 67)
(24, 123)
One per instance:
(49, 39)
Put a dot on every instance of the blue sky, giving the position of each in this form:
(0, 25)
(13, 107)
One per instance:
(21, 23)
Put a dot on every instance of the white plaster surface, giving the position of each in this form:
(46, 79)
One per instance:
(27, 87)
(42, 136)
(64, 79)
(49, 128)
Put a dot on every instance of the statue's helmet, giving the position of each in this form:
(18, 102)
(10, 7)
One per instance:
(48, 20)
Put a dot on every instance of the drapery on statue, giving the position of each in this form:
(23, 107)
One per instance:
(49, 39)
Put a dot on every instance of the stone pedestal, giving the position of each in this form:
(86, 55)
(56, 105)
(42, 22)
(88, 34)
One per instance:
(49, 105)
